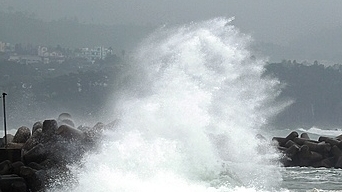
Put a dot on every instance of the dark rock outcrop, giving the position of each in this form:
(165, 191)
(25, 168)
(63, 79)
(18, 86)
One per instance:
(302, 151)
(45, 154)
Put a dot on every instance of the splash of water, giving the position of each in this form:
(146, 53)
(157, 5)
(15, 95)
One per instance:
(190, 116)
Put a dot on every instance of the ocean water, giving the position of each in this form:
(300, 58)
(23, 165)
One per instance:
(190, 110)
(308, 178)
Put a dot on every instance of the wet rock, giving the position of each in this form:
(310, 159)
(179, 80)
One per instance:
(339, 163)
(19, 186)
(336, 151)
(22, 135)
(331, 141)
(37, 125)
(292, 151)
(36, 166)
(115, 124)
(49, 127)
(282, 141)
(26, 171)
(49, 131)
(48, 164)
(327, 163)
(321, 147)
(65, 119)
(70, 133)
(305, 136)
(16, 167)
(9, 139)
(84, 128)
(67, 122)
(34, 179)
(37, 154)
(63, 116)
(34, 140)
(339, 137)
(289, 143)
(12, 145)
(5, 167)
(9, 183)
(311, 156)
(301, 141)
(302, 151)
(48, 149)
(94, 134)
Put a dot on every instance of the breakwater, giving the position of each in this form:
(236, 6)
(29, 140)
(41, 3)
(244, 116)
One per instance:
(34, 159)
(300, 150)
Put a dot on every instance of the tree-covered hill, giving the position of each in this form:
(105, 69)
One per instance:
(40, 89)
(316, 91)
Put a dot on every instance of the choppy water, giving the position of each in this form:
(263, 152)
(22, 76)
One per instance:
(312, 179)
(307, 178)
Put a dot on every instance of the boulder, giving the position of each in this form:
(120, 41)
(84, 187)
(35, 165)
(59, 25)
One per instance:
(95, 133)
(327, 163)
(336, 151)
(10, 183)
(282, 141)
(16, 167)
(49, 127)
(115, 124)
(37, 125)
(321, 147)
(48, 164)
(310, 156)
(35, 179)
(83, 128)
(49, 131)
(34, 140)
(12, 145)
(36, 166)
(65, 119)
(63, 116)
(70, 133)
(68, 122)
(5, 167)
(37, 154)
(22, 135)
(301, 141)
(9, 139)
(292, 151)
(302, 151)
(339, 163)
(289, 144)
(305, 136)
(331, 141)
(19, 186)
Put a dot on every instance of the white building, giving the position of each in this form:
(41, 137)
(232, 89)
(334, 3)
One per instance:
(50, 56)
(97, 53)
(25, 59)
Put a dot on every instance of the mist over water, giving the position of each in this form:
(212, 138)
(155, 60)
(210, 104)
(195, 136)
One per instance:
(189, 117)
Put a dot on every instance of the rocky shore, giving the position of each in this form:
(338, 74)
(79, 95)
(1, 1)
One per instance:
(35, 158)
(305, 152)
(32, 160)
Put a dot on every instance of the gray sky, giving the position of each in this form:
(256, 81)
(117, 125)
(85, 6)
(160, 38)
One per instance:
(276, 21)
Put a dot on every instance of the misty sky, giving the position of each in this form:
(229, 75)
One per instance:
(277, 21)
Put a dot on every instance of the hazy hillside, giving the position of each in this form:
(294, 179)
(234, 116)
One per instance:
(316, 91)
(24, 28)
